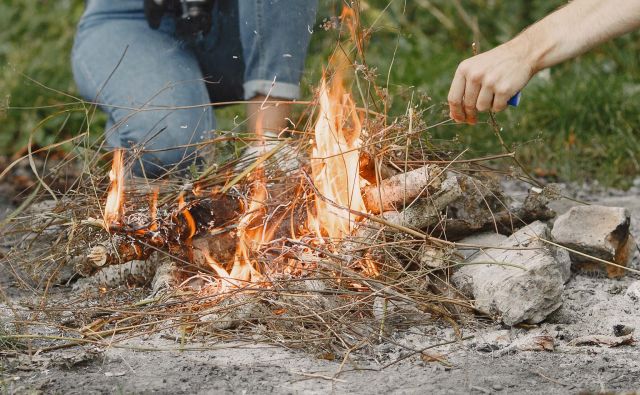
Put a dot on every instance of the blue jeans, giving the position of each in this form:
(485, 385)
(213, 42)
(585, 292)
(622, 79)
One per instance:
(154, 86)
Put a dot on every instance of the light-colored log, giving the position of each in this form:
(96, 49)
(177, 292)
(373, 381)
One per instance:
(394, 192)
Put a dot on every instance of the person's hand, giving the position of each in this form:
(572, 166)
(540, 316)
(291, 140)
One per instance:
(487, 81)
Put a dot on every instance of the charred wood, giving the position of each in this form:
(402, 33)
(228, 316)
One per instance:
(174, 231)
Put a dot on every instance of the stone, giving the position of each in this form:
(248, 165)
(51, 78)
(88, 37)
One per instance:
(521, 280)
(622, 330)
(598, 231)
(434, 258)
(470, 245)
(633, 292)
(233, 311)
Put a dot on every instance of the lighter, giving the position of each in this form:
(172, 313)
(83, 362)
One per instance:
(515, 100)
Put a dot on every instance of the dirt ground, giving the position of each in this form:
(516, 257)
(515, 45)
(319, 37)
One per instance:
(490, 362)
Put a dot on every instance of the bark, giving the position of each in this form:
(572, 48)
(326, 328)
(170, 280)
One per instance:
(427, 211)
(505, 221)
(393, 193)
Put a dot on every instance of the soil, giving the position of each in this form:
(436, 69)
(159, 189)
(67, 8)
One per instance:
(490, 362)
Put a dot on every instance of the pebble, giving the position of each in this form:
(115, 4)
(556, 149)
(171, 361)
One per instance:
(622, 330)
(633, 291)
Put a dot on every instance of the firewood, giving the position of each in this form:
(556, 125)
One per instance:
(394, 192)
(219, 247)
(505, 221)
(427, 211)
(368, 169)
(173, 233)
(465, 205)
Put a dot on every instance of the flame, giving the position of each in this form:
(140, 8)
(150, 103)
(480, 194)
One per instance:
(252, 229)
(153, 208)
(335, 162)
(250, 234)
(191, 223)
(113, 209)
(351, 19)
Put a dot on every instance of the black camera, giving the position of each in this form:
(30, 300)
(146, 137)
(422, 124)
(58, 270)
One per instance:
(193, 17)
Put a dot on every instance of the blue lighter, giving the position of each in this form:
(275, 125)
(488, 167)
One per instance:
(515, 100)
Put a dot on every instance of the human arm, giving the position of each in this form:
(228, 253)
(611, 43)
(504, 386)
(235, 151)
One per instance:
(487, 81)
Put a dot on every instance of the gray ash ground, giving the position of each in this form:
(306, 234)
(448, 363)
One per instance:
(482, 365)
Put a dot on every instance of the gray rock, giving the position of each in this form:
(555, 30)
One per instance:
(520, 281)
(598, 231)
(435, 258)
(470, 245)
(633, 292)
(233, 311)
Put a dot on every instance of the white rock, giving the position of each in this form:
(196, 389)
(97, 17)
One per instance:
(633, 292)
(475, 243)
(599, 231)
(520, 281)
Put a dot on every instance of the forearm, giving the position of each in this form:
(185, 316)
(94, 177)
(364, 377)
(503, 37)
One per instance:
(576, 28)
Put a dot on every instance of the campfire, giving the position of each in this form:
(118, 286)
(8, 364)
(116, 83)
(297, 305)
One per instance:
(353, 228)
(222, 233)
(361, 239)
(346, 222)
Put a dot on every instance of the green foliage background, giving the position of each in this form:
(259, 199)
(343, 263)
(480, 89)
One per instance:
(579, 121)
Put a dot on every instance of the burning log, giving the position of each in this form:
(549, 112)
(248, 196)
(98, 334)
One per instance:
(223, 234)
(402, 188)
(177, 232)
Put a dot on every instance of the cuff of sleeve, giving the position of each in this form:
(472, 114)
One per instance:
(281, 90)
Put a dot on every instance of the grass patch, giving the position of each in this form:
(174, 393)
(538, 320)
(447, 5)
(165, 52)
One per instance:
(580, 123)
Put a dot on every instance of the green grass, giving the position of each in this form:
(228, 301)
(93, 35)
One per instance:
(581, 123)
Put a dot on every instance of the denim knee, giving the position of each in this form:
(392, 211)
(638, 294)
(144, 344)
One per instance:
(161, 141)
(149, 84)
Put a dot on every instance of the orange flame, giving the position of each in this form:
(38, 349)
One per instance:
(252, 231)
(153, 208)
(335, 162)
(351, 18)
(113, 209)
(191, 223)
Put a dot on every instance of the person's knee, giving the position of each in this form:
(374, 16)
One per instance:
(162, 163)
(165, 142)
